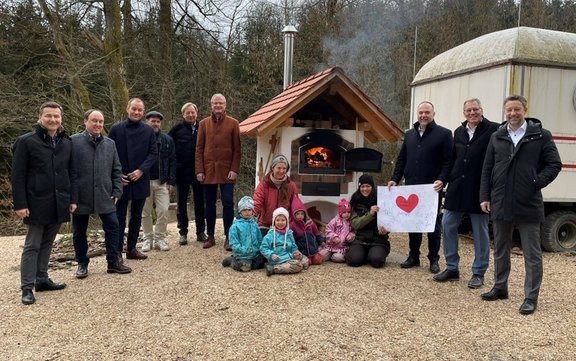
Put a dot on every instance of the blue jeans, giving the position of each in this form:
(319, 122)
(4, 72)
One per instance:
(182, 191)
(227, 199)
(450, 222)
(111, 230)
(136, 207)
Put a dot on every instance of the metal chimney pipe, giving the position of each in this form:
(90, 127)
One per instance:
(288, 32)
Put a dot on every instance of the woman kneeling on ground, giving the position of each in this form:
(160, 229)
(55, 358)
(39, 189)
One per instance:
(371, 244)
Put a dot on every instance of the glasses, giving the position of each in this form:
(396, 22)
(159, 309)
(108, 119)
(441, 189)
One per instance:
(472, 110)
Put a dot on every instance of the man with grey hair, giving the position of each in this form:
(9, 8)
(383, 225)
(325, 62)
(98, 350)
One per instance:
(521, 159)
(470, 143)
(217, 164)
(97, 188)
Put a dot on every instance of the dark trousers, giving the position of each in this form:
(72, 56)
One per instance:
(359, 255)
(36, 254)
(530, 240)
(434, 238)
(182, 191)
(227, 199)
(136, 207)
(111, 230)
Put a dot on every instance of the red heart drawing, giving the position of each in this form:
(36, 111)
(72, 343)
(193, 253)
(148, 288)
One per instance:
(407, 205)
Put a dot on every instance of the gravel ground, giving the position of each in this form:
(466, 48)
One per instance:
(183, 305)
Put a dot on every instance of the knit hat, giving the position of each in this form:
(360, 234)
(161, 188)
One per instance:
(280, 159)
(344, 207)
(366, 179)
(154, 114)
(245, 202)
(297, 205)
(280, 211)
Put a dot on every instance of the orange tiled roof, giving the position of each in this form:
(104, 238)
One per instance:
(297, 95)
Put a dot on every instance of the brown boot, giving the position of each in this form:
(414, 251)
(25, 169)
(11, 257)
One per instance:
(135, 254)
(210, 242)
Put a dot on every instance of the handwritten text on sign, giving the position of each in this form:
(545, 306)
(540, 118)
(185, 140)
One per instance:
(408, 208)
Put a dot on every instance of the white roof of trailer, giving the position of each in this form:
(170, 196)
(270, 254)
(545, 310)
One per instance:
(522, 45)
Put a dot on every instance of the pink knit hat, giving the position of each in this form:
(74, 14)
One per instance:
(344, 207)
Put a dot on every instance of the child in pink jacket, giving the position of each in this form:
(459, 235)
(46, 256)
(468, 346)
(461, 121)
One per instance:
(338, 234)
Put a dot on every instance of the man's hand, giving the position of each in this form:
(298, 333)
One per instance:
(72, 207)
(170, 188)
(438, 185)
(485, 206)
(125, 180)
(135, 175)
(232, 175)
(391, 184)
(200, 177)
(23, 213)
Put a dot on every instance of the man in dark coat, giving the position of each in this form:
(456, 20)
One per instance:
(521, 159)
(424, 158)
(137, 150)
(41, 184)
(470, 142)
(97, 187)
(184, 135)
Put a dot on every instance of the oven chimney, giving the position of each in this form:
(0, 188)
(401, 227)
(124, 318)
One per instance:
(288, 32)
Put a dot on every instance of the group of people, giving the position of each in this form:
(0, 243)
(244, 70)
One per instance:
(491, 170)
(55, 175)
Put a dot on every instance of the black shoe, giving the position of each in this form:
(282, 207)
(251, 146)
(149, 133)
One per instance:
(183, 240)
(269, 270)
(118, 268)
(434, 267)
(528, 306)
(82, 271)
(226, 262)
(410, 262)
(49, 285)
(28, 297)
(476, 282)
(494, 294)
(447, 275)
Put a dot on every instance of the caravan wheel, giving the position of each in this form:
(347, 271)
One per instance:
(559, 232)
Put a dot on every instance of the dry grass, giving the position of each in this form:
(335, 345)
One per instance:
(182, 305)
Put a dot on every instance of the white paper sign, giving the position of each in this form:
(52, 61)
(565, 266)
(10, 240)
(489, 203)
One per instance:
(408, 208)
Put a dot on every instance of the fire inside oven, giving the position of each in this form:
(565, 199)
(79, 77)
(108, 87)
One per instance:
(321, 153)
(322, 158)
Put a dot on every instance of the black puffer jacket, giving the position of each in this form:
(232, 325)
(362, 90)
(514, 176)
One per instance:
(41, 176)
(512, 177)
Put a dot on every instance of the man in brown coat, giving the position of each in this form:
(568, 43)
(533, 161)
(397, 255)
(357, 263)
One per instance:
(217, 164)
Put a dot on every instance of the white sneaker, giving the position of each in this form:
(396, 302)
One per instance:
(162, 245)
(146, 246)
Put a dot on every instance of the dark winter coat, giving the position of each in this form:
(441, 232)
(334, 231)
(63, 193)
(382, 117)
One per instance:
(41, 176)
(98, 174)
(512, 177)
(184, 135)
(166, 159)
(365, 224)
(136, 146)
(424, 159)
(467, 160)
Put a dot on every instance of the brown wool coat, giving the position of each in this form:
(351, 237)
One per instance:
(218, 149)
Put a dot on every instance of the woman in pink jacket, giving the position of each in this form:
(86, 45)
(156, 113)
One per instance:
(275, 190)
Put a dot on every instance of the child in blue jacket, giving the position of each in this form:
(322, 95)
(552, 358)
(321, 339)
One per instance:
(245, 238)
(279, 247)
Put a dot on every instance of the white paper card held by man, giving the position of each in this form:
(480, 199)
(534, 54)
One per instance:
(408, 208)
